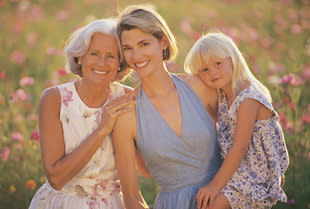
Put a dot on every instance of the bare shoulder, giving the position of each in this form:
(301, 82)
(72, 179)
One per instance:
(50, 96)
(126, 124)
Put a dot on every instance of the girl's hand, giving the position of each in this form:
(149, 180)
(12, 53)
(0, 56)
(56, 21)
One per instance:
(205, 196)
(114, 109)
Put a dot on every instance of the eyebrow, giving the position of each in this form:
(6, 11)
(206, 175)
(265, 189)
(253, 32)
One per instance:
(143, 40)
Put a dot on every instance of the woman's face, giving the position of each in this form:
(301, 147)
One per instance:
(101, 62)
(143, 51)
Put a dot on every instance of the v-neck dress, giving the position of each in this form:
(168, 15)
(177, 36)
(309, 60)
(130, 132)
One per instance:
(97, 184)
(256, 183)
(182, 164)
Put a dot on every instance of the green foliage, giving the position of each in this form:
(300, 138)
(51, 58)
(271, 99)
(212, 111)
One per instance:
(272, 35)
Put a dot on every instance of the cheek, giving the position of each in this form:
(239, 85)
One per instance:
(204, 77)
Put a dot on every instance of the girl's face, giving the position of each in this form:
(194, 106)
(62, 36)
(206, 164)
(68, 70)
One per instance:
(101, 62)
(217, 73)
(143, 52)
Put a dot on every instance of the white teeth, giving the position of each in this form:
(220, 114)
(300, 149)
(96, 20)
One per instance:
(142, 64)
(99, 72)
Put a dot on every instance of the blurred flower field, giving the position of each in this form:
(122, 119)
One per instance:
(274, 36)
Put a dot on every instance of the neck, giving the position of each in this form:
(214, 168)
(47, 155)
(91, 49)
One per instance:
(229, 94)
(159, 83)
(91, 94)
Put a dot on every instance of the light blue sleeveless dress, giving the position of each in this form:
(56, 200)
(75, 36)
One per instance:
(179, 165)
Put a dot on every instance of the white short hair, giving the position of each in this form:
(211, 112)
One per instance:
(79, 41)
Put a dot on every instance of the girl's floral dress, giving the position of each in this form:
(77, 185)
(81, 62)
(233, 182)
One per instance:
(97, 184)
(256, 183)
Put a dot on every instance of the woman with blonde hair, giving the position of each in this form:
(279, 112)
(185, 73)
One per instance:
(171, 126)
(75, 122)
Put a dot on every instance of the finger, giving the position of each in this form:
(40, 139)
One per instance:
(205, 201)
(124, 110)
(199, 200)
(118, 106)
(211, 201)
(120, 103)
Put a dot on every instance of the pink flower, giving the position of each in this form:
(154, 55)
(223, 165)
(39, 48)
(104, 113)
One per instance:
(306, 118)
(306, 74)
(35, 135)
(296, 29)
(5, 153)
(282, 118)
(20, 93)
(62, 15)
(291, 202)
(61, 72)
(16, 136)
(26, 81)
(2, 74)
(288, 126)
(51, 51)
(18, 57)
(186, 27)
(36, 13)
(31, 39)
(291, 80)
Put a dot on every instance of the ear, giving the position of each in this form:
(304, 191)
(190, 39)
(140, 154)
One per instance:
(164, 43)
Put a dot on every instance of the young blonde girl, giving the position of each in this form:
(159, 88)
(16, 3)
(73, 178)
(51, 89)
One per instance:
(250, 136)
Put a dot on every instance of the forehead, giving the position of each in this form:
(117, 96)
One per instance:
(105, 42)
(133, 36)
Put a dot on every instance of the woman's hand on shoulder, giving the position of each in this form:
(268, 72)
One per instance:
(114, 109)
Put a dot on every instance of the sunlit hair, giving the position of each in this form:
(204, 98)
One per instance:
(218, 45)
(149, 21)
(78, 44)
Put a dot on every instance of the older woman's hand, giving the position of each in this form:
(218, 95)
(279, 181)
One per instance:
(114, 109)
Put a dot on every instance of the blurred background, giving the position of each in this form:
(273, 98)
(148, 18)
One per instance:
(274, 36)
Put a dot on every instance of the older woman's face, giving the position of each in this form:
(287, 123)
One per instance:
(101, 61)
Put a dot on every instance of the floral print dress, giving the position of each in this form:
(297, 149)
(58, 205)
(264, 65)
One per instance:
(256, 183)
(97, 184)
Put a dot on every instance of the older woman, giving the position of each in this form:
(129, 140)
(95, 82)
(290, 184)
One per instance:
(76, 120)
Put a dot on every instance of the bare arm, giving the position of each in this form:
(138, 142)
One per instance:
(123, 138)
(207, 95)
(246, 116)
(59, 167)
(141, 167)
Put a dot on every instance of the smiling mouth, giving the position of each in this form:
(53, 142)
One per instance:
(143, 64)
(101, 72)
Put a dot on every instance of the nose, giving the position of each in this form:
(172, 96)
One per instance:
(101, 61)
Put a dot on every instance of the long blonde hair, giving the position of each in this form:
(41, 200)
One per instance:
(219, 45)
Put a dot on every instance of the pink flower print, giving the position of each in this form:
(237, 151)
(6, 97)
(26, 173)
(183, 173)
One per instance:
(35, 135)
(18, 57)
(67, 96)
(16, 136)
(5, 153)
(104, 200)
(98, 117)
(26, 81)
